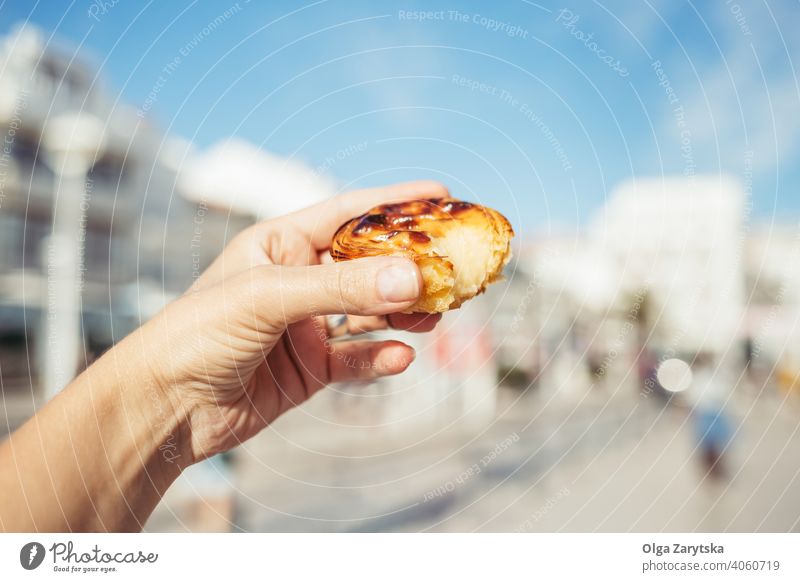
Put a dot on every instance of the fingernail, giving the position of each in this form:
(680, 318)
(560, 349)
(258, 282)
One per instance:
(397, 284)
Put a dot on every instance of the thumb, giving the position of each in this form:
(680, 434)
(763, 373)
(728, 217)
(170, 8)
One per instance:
(369, 286)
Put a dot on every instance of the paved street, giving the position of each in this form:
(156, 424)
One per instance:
(623, 464)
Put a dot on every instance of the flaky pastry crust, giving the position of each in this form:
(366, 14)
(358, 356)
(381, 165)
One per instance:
(458, 246)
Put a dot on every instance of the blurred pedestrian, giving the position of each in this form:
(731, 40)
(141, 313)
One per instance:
(708, 395)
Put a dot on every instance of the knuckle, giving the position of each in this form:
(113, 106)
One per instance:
(350, 288)
(435, 187)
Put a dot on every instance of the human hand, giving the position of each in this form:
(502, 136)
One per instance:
(249, 341)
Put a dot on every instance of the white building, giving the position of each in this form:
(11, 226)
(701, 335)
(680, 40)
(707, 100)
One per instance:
(661, 265)
(38, 84)
(681, 241)
(138, 242)
(772, 259)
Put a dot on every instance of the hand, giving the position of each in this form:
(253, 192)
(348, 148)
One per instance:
(248, 341)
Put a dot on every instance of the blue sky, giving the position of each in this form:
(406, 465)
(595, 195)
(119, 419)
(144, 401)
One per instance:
(537, 108)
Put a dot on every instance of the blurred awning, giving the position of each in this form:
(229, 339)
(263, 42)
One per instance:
(237, 175)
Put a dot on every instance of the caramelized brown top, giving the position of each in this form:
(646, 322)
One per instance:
(407, 227)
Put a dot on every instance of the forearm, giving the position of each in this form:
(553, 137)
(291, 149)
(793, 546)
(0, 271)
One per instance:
(98, 457)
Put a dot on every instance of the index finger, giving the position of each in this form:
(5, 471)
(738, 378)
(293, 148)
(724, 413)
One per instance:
(320, 221)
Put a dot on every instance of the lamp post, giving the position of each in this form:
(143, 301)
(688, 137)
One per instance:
(70, 143)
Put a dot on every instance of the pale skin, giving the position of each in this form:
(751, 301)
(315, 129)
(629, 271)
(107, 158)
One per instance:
(245, 344)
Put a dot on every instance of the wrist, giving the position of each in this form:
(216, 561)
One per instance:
(157, 424)
(125, 440)
(162, 427)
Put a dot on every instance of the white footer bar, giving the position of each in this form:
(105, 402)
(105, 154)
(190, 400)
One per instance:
(408, 557)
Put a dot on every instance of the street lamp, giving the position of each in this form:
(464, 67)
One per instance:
(70, 143)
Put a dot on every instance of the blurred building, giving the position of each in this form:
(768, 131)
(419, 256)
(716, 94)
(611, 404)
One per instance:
(680, 240)
(772, 288)
(140, 243)
(38, 84)
(244, 178)
(660, 270)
